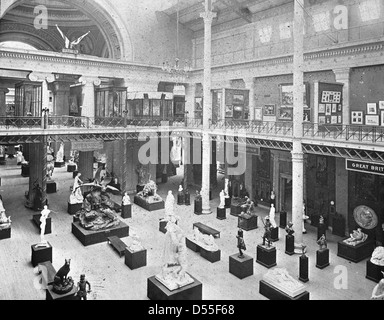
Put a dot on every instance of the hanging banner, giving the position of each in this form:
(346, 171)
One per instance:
(366, 167)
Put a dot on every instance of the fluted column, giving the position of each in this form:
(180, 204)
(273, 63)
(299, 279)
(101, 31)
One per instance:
(343, 76)
(88, 107)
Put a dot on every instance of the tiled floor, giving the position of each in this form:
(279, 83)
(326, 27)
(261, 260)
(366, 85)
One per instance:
(112, 279)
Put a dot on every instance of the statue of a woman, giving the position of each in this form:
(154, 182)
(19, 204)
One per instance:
(43, 222)
(222, 200)
(272, 213)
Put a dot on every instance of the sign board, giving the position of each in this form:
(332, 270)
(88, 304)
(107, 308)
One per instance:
(87, 145)
(366, 167)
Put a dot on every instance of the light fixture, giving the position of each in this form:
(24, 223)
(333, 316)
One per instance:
(177, 71)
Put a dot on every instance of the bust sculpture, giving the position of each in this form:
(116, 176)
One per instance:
(356, 237)
(322, 242)
(272, 213)
(222, 200)
(5, 222)
(181, 188)
(60, 153)
(126, 199)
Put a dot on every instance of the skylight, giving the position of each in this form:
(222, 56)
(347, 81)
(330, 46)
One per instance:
(369, 10)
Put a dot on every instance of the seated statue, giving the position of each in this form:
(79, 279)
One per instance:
(62, 283)
(204, 240)
(5, 222)
(356, 238)
(150, 192)
(322, 242)
(378, 291)
(126, 201)
(378, 256)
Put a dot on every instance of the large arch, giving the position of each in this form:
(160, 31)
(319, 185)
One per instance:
(104, 16)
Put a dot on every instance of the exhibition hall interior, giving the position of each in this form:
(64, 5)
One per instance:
(192, 150)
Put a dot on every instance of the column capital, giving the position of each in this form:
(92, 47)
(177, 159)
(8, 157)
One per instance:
(41, 76)
(84, 80)
(208, 16)
(4, 90)
(249, 82)
(342, 73)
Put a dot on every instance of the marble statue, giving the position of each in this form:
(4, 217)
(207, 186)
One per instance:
(247, 203)
(226, 188)
(305, 217)
(267, 233)
(143, 174)
(169, 205)
(222, 200)
(149, 192)
(205, 241)
(240, 243)
(19, 158)
(282, 280)
(378, 291)
(273, 197)
(136, 246)
(60, 154)
(322, 242)
(126, 201)
(356, 238)
(5, 222)
(62, 284)
(272, 214)
(43, 223)
(378, 256)
(71, 44)
(173, 274)
(50, 166)
(76, 195)
(82, 291)
(289, 229)
(180, 188)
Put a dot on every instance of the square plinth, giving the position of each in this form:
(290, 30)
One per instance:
(88, 238)
(283, 219)
(162, 225)
(221, 214)
(157, 291)
(290, 245)
(235, 210)
(247, 222)
(322, 258)
(126, 211)
(192, 245)
(273, 293)
(149, 206)
(51, 187)
(74, 208)
(25, 170)
(50, 295)
(241, 267)
(374, 272)
(355, 253)
(41, 254)
(275, 234)
(211, 256)
(135, 260)
(228, 203)
(198, 207)
(71, 168)
(5, 233)
(59, 164)
(266, 256)
(48, 225)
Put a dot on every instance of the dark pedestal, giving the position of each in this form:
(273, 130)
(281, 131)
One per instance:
(187, 198)
(139, 188)
(25, 170)
(88, 238)
(164, 178)
(135, 260)
(355, 254)
(241, 268)
(247, 222)
(272, 293)
(162, 225)
(321, 230)
(180, 199)
(198, 207)
(221, 214)
(235, 210)
(74, 175)
(290, 245)
(192, 245)
(211, 256)
(59, 164)
(126, 212)
(228, 203)
(71, 168)
(148, 206)
(283, 219)
(266, 256)
(51, 187)
(322, 258)
(50, 295)
(157, 291)
(338, 226)
(304, 269)
(5, 233)
(48, 225)
(374, 272)
(275, 234)
(74, 208)
(3, 162)
(40, 255)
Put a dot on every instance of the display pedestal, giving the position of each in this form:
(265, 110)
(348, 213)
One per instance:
(235, 210)
(241, 268)
(162, 225)
(283, 219)
(247, 222)
(290, 245)
(87, 237)
(321, 230)
(266, 256)
(272, 293)
(221, 214)
(5, 233)
(355, 253)
(228, 203)
(3, 162)
(211, 256)
(48, 224)
(374, 272)
(50, 295)
(71, 168)
(40, 255)
(59, 164)
(47, 272)
(322, 258)
(153, 206)
(275, 234)
(135, 260)
(164, 178)
(198, 207)
(157, 291)
(126, 211)
(192, 245)
(74, 208)
(187, 198)
(180, 199)
(304, 269)
(51, 187)
(25, 170)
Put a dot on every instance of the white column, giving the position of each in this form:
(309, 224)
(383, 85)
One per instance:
(250, 84)
(88, 107)
(208, 16)
(190, 93)
(343, 76)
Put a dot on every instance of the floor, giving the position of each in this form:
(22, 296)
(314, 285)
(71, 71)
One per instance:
(112, 279)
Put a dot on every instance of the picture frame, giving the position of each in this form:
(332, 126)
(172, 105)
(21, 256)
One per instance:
(258, 114)
(334, 120)
(371, 109)
(321, 108)
(334, 108)
(146, 107)
(238, 99)
(285, 114)
(307, 115)
(339, 107)
(381, 104)
(73, 104)
(321, 120)
(229, 111)
(270, 110)
(339, 120)
(156, 108)
(179, 107)
(357, 117)
(372, 120)
(286, 95)
(328, 109)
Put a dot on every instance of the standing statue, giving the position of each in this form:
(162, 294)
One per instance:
(50, 166)
(126, 201)
(305, 217)
(5, 222)
(322, 242)
(273, 197)
(43, 223)
(19, 158)
(222, 200)
(169, 205)
(240, 243)
(60, 154)
(272, 213)
(82, 288)
(71, 44)
(77, 195)
(226, 188)
(267, 232)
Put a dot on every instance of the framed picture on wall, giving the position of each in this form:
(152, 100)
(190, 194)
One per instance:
(321, 108)
(238, 99)
(357, 117)
(229, 111)
(258, 114)
(156, 108)
(334, 120)
(381, 104)
(146, 107)
(371, 120)
(307, 115)
(339, 107)
(321, 119)
(270, 110)
(73, 106)
(334, 107)
(285, 114)
(372, 108)
(328, 109)
(339, 119)
(286, 95)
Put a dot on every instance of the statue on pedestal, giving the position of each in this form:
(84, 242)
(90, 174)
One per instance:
(76, 195)
(272, 213)
(222, 200)
(267, 233)
(240, 243)
(356, 237)
(50, 166)
(126, 201)
(19, 158)
(273, 197)
(305, 217)
(289, 229)
(5, 222)
(377, 256)
(205, 241)
(62, 283)
(82, 291)
(43, 223)
(322, 242)
(226, 188)
(60, 154)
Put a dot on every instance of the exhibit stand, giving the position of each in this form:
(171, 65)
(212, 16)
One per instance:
(241, 267)
(355, 253)
(304, 265)
(266, 256)
(322, 258)
(221, 214)
(5, 233)
(135, 259)
(126, 211)
(374, 272)
(290, 245)
(275, 234)
(41, 254)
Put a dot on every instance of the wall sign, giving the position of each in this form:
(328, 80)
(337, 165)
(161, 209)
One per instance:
(366, 167)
